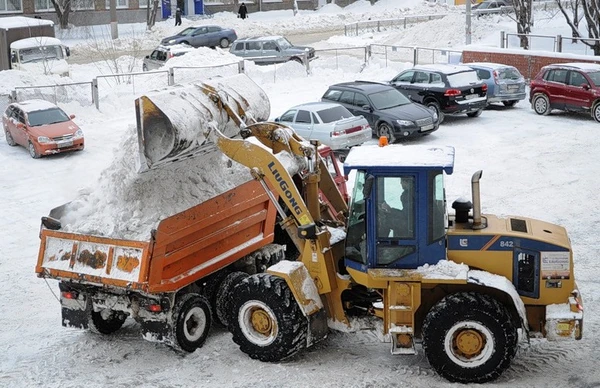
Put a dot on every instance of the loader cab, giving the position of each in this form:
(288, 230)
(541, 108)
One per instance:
(397, 215)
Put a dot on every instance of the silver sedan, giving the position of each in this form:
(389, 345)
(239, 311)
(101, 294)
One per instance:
(330, 123)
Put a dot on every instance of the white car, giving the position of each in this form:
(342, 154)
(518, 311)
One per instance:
(330, 123)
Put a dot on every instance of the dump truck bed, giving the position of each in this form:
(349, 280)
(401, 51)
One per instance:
(184, 247)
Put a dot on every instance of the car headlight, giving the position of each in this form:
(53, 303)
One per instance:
(78, 134)
(405, 123)
(44, 139)
(435, 115)
(173, 41)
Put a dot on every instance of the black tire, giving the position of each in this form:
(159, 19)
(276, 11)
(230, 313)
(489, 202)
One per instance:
(435, 106)
(541, 104)
(224, 297)
(596, 111)
(386, 130)
(224, 43)
(477, 113)
(210, 285)
(105, 321)
(510, 103)
(267, 323)
(9, 139)
(192, 321)
(469, 338)
(32, 152)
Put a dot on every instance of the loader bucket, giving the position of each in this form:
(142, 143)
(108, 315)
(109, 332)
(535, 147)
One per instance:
(176, 123)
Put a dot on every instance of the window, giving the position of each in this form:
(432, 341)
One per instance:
(421, 78)
(335, 113)
(288, 116)
(356, 244)
(43, 5)
(120, 4)
(483, 74)
(314, 118)
(239, 46)
(526, 273)
(333, 95)
(11, 6)
(577, 79)
(270, 46)
(361, 100)
(81, 4)
(253, 46)
(347, 97)
(303, 116)
(154, 54)
(436, 79)
(407, 76)
(557, 75)
(437, 207)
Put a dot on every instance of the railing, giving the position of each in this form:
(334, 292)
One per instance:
(416, 55)
(354, 29)
(5, 99)
(558, 42)
(75, 91)
(331, 56)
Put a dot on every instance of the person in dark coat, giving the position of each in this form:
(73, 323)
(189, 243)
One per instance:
(178, 17)
(243, 11)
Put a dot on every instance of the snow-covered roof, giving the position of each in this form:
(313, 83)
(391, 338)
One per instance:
(35, 105)
(37, 41)
(583, 66)
(443, 68)
(397, 155)
(22, 21)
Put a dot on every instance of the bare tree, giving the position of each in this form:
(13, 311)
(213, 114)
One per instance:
(151, 14)
(62, 9)
(591, 12)
(524, 20)
(295, 7)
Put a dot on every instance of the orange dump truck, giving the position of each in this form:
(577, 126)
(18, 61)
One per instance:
(172, 284)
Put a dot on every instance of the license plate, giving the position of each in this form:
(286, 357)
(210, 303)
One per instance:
(471, 96)
(563, 326)
(427, 127)
(513, 87)
(62, 144)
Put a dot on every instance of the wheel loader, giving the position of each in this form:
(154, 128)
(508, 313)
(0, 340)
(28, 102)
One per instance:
(463, 287)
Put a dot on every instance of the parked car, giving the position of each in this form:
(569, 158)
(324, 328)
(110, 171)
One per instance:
(162, 54)
(267, 50)
(567, 86)
(41, 127)
(203, 36)
(388, 111)
(505, 83)
(446, 89)
(330, 123)
(491, 6)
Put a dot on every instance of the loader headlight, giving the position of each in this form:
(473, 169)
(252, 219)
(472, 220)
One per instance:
(44, 139)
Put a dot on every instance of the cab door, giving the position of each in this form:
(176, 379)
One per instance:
(303, 124)
(579, 93)
(19, 128)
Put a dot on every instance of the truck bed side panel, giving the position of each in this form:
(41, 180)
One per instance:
(209, 236)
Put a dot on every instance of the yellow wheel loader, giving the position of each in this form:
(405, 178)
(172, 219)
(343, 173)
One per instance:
(467, 286)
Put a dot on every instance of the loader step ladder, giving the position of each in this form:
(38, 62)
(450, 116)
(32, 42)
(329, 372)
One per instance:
(403, 299)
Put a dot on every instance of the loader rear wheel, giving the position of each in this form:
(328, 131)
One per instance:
(469, 338)
(267, 324)
(192, 319)
(224, 297)
(106, 321)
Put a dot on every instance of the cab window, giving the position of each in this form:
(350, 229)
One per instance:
(303, 116)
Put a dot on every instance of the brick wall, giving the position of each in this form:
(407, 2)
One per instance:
(529, 64)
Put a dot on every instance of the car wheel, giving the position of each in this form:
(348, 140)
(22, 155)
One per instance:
(595, 112)
(387, 131)
(9, 139)
(541, 104)
(224, 43)
(477, 113)
(32, 152)
(144, 67)
(510, 103)
(434, 106)
(185, 42)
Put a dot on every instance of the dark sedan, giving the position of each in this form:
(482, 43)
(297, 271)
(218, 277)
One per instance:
(203, 36)
(447, 89)
(388, 111)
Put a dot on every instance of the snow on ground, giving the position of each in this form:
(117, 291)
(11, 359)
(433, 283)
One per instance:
(541, 167)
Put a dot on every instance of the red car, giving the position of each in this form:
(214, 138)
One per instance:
(41, 127)
(567, 86)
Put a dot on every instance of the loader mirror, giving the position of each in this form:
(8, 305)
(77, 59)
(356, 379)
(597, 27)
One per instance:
(68, 51)
(368, 186)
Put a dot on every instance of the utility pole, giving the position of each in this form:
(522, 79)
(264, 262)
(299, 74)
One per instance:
(468, 29)
(114, 29)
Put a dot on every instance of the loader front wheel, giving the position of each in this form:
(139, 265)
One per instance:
(469, 338)
(267, 322)
(106, 321)
(192, 319)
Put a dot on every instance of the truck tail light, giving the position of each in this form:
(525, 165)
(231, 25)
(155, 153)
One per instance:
(154, 308)
(70, 294)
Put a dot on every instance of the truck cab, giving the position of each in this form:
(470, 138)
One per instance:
(42, 54)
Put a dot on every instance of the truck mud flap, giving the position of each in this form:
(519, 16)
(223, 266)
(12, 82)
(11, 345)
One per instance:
(75, 307)
(157, 331)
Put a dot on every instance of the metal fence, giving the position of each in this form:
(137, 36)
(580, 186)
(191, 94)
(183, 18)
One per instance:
(75, 91)
(5, 99)
(555, 43)
(330, 58)
(414, 55)
(354, 29)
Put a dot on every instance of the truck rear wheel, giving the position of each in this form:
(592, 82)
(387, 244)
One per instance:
(224, 298)
(267, 323)
(106, 321)
(469, 338)
(192, 319)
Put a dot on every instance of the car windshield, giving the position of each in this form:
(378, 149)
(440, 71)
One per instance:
(388, 99)
(47, 116)
(595, 77)
(34, 54)
(335, 113)
(187, 31)
(464, 78)
(509, 73)
(283, 43)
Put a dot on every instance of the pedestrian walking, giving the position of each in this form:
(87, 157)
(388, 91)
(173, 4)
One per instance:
(243, 11)
(178, 17)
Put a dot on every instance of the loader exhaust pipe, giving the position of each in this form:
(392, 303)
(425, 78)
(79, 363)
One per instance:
(477, 220)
